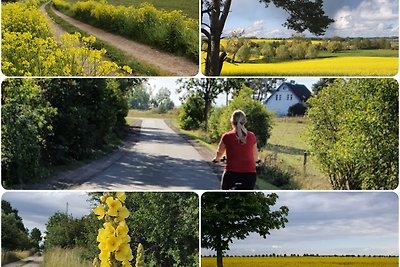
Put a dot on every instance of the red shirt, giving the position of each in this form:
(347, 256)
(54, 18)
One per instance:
(240, 157)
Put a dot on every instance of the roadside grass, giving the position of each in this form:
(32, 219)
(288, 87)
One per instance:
(152, 114)
(12, 256)
(286, 148)
(114, 54)
(65, 258)
(189, 7)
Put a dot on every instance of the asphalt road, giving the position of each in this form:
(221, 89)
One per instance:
(160, 160)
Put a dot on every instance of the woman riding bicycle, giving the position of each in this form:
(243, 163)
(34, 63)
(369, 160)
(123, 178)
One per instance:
(240, 146)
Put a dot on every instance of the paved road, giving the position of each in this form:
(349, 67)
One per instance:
(161, 159)
(32, 261)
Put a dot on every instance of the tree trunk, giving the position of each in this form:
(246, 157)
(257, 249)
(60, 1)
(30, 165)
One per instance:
(217, 23)
(213, 57)
(219, 258)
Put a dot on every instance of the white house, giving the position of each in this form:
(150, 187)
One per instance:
(287, 94)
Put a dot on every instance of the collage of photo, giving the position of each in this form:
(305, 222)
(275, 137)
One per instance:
(199, 133)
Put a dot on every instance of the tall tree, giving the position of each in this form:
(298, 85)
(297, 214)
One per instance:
(36, 237)
(303, 15)
(208, 89)
(321, 84)
(226, 216)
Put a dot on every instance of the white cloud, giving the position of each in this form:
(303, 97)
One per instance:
(370, 18)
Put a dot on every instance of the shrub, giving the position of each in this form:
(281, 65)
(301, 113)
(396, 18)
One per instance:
(191, 113)
(244, 53)
(298, 109)
(282, 52)
(258, 118)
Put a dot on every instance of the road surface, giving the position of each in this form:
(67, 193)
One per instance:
(32, 261)
(160, 160)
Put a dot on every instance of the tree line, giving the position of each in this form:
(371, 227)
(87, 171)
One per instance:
(14, 235)
(49, 122)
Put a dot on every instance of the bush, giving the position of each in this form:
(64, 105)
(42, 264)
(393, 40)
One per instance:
(298, 109)
(244, 53)
(282, 52)
(169, 31)
(258, 118)
(275, 176)
(191, 113)
(354, 133)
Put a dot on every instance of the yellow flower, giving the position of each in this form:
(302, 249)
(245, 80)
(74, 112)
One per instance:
(121, 196)
(109, 229)
(126, 264)
(100, 212)
(122, 229)
(104, 255)
(113, 206)
(124, 253)
(112, 243)
(123, 213)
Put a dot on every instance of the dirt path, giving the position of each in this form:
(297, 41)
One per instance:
(32, 261)
(176, 65)
(57, 30)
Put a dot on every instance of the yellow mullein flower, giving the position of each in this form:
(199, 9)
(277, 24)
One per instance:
(113, 206)
(100, 212)
(112, 243)
(121, 196)
(126, 264)
(104, 255)
(109, 229)
(124, 253)
(123, 213)
(122, 229)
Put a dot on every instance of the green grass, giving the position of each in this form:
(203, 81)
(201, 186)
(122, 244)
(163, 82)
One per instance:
(361, 53)
(189, 7)
(286, 148)
(65, 258)
(113, 53)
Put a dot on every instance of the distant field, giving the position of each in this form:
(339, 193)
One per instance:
(288, 143)
(336, 66)
(303, 262)
(345, 63)
(189, 7)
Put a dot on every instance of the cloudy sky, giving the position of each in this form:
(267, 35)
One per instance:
(35, 208)
(353, 18)
(330, 223)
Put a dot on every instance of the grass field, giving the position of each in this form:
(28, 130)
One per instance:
(64, 258)
(304, 262)
(287, 143)
(189, 7)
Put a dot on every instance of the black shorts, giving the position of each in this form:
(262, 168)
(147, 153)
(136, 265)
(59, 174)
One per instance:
(238, 180)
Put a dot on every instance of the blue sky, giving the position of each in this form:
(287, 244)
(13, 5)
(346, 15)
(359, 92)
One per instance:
(170, 83)
(353, 18)
(35, 208)
(330, 223)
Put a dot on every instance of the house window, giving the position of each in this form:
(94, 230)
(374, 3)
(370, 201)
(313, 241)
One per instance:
(287, 97)
(276, 98)
(280, 97)
(291, 96)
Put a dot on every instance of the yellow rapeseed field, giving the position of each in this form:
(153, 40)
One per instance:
(303, 262)
(338, 66)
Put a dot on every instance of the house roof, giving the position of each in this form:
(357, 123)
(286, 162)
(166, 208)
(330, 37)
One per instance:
(299, 90)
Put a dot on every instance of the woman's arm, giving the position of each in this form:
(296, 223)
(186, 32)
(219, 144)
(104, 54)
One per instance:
(255, 152)
(220, 151)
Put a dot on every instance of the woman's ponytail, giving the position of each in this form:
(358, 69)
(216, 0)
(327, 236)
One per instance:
(238, 120)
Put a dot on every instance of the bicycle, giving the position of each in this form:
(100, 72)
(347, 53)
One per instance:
(236, 185)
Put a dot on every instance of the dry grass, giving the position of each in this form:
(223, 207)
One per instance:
(65, 258)
(12, 256)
